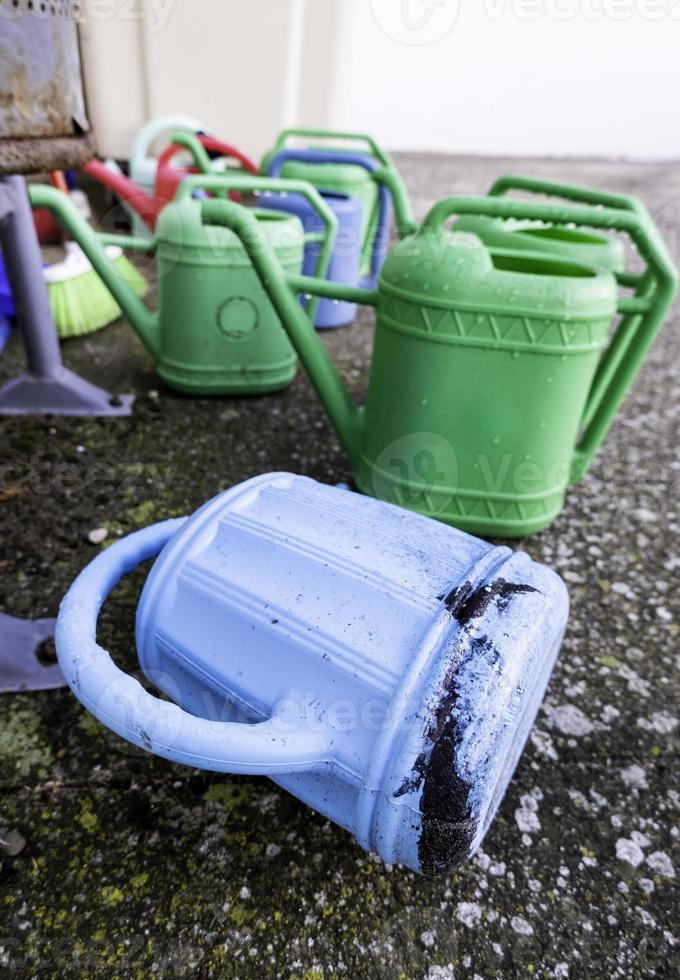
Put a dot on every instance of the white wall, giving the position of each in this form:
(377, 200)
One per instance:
(497, 82)
(485, 76)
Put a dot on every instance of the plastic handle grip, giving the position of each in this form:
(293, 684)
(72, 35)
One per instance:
(361, 138)
(657, 286)
(568, 192)
(209, 143)
(283, 290)
(623, 356)
(120, 702)
(353, 159)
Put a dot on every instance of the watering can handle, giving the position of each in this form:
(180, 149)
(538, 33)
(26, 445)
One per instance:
(155, 128)
(568, 192)
(643, 314)
(283, 290)
(121, 703)
(246, 182)
(212, 145)
(376, 152)
(354, 159)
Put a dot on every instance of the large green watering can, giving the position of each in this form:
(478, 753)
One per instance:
(216, 331)
(494, 377)
(340, 178)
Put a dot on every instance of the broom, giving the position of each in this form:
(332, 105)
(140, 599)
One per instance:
(79, 300)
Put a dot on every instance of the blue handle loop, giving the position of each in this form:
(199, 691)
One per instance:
(380, 240)
(285, 742)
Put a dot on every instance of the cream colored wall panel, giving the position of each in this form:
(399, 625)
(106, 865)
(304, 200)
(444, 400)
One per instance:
(227, 62)
(115, 87)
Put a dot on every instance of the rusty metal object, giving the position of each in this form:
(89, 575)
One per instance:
(43, 122)
(36, 156)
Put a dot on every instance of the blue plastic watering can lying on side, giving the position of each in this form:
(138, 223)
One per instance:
(381, 666)
(345, 265)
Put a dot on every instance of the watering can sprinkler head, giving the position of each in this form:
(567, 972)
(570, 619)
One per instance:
(402, 719)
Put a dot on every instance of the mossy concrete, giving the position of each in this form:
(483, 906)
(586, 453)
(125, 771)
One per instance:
(134, 867)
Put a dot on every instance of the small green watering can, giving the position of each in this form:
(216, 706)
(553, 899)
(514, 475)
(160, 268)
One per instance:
(339, 178)
(216, 331)
(494, 378)
(599, 251)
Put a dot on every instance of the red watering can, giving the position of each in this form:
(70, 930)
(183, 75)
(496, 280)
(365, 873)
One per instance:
(168, 178)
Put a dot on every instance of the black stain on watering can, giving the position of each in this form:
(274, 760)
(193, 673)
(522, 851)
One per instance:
(466, 603)
(447, 825)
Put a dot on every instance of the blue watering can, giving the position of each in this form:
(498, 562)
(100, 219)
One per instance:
(345, 264)
(382, 667)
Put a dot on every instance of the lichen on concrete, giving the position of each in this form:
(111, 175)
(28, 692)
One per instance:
(135, 867)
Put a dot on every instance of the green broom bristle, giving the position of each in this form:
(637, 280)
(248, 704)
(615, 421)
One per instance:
(83, 304)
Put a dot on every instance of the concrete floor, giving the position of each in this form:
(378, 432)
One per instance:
(133, 867)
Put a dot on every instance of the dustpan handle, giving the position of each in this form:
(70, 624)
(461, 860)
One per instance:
(643, 313)
(285, 742)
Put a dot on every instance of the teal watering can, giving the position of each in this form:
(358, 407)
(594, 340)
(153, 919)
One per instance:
(495, 372)
(215, 331)
(143, 165)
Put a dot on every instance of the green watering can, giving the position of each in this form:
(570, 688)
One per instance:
(339, 178)
(602, 252)
(216, 331)
(493, 379)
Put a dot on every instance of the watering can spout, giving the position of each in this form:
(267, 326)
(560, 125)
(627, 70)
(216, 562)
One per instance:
(143, 204)
(142, 319)
(344, 414)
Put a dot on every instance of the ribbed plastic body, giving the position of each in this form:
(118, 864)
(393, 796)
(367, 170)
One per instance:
(425, 650)
(481, 368)
(218, 331)
(344, 264)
